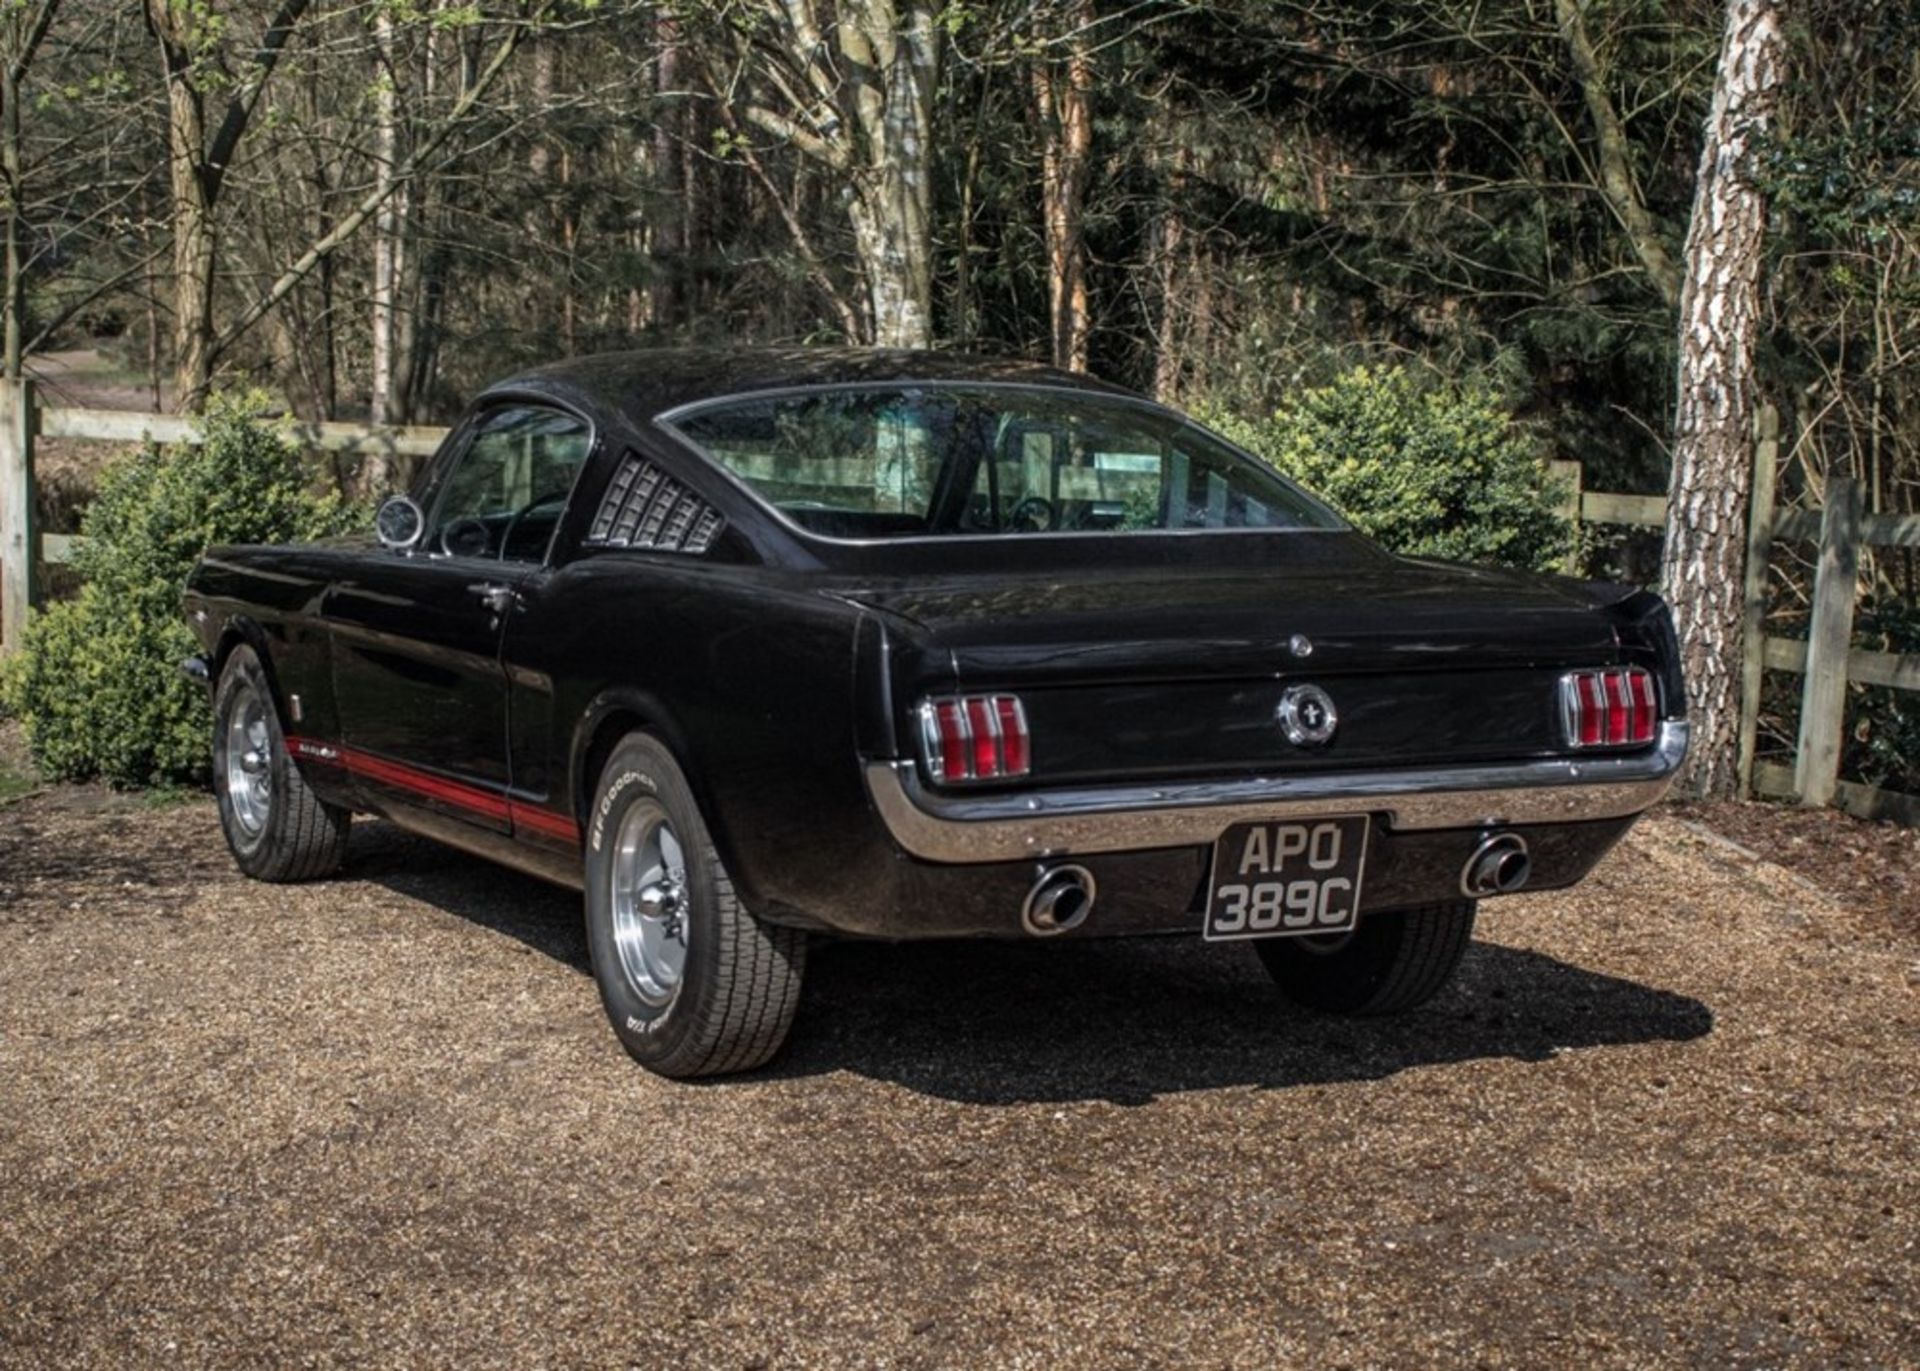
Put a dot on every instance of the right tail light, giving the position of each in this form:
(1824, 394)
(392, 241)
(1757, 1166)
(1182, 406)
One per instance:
(1612, 707)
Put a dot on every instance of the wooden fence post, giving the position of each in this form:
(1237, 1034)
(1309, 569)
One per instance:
(19, 543)
(1569, 473)
(1766, 461)
(1823, 703)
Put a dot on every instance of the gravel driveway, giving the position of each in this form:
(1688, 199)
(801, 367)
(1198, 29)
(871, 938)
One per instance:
(1668, 1117)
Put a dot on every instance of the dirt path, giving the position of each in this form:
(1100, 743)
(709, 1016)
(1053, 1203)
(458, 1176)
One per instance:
(1670, 1117)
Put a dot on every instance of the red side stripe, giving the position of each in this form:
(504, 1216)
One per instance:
(402, 777)
(547, 822)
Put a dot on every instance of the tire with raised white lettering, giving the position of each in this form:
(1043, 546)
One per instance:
(276, 828)
(693, 983)
(1394, 960)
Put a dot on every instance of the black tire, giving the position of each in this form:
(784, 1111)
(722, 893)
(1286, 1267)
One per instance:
(295, 836)
(730, 1002)
(1395, 960)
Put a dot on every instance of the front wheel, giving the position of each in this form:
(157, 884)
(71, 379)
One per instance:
(693, 983)
(276, 827)
(1393, 961)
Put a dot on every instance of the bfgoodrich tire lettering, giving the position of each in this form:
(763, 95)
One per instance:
(1395, 960)
(693, 983)
(276, 828)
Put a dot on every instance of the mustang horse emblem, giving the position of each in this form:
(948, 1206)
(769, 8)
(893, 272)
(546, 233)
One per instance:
(1307, 716)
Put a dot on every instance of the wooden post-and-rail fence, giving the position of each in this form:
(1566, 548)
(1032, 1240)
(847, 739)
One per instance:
(1827, 660)
(24, 419)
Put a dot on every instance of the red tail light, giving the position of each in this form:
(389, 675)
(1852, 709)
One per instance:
(974, 738)
(1610, 708)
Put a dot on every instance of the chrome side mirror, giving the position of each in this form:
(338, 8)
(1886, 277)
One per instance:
(399, 523)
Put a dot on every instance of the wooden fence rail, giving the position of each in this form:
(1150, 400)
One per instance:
(1827, 660)
(25, 419)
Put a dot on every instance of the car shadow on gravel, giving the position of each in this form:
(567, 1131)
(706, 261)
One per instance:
(1124, 1021)
(1129, 1021)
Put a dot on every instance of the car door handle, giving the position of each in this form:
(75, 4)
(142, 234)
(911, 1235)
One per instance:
(496, 597)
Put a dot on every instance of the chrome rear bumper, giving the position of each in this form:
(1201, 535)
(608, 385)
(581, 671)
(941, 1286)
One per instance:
(1052, 823)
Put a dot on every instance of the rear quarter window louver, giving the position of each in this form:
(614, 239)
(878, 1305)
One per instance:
(645, 507)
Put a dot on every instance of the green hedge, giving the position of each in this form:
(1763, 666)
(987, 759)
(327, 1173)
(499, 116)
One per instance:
(98, 682)
(1429, 470)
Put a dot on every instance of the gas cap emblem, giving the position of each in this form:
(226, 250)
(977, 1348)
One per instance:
(1307, 716)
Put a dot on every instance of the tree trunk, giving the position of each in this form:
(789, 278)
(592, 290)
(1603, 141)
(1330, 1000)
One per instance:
(1617, 180)
(899, 272)
(667, 245)
(15, 303)
(1062, 102)
(1169, 247)
(1703, 572)
(868, 116)
(195, 243)
(386, 241)
(1169, 242)
(197, 167)
(892, 210)
(26, 28)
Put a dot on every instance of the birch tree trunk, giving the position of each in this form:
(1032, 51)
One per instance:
(861, 103)
(1703, 571)
(894, 56)
(386, 236)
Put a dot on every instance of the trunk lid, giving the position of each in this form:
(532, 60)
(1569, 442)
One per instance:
(1179, 670)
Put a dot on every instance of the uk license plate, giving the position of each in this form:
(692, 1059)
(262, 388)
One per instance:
(1278, 880)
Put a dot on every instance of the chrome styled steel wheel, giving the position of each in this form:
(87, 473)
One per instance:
(249, 777)
(692, 982)
(648, 876)
(277, 828)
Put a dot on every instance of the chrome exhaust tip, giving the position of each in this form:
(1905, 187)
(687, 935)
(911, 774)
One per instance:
(1060, 901)
(1499, 866)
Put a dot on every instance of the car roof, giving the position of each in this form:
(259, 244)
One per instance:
(650, 381)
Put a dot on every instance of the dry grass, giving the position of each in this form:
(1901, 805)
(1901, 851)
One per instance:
(1668, 1117)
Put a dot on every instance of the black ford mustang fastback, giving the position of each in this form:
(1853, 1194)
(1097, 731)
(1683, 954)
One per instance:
(755, 645)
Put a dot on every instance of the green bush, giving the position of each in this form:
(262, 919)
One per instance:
(1430, 471)
(98, 682)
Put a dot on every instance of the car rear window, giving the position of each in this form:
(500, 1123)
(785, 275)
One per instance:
(959, 460)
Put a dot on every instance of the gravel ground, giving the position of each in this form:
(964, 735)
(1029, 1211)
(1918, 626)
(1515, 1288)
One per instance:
(1669, 1117)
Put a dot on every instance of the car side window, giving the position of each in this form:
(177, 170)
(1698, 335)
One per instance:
(506, 492)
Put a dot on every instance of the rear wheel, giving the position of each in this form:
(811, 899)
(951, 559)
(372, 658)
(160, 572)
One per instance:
(1394, 960)
(693, 983)
(277, 828)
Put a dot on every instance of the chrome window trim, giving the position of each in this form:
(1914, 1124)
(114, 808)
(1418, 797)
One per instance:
(667, 421)
(1012, 825)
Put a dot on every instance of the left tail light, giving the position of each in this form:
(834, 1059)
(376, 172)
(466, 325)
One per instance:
(974, 738)
(1610, 708)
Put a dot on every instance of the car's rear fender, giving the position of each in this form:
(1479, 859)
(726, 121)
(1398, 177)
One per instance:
(611, 716)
